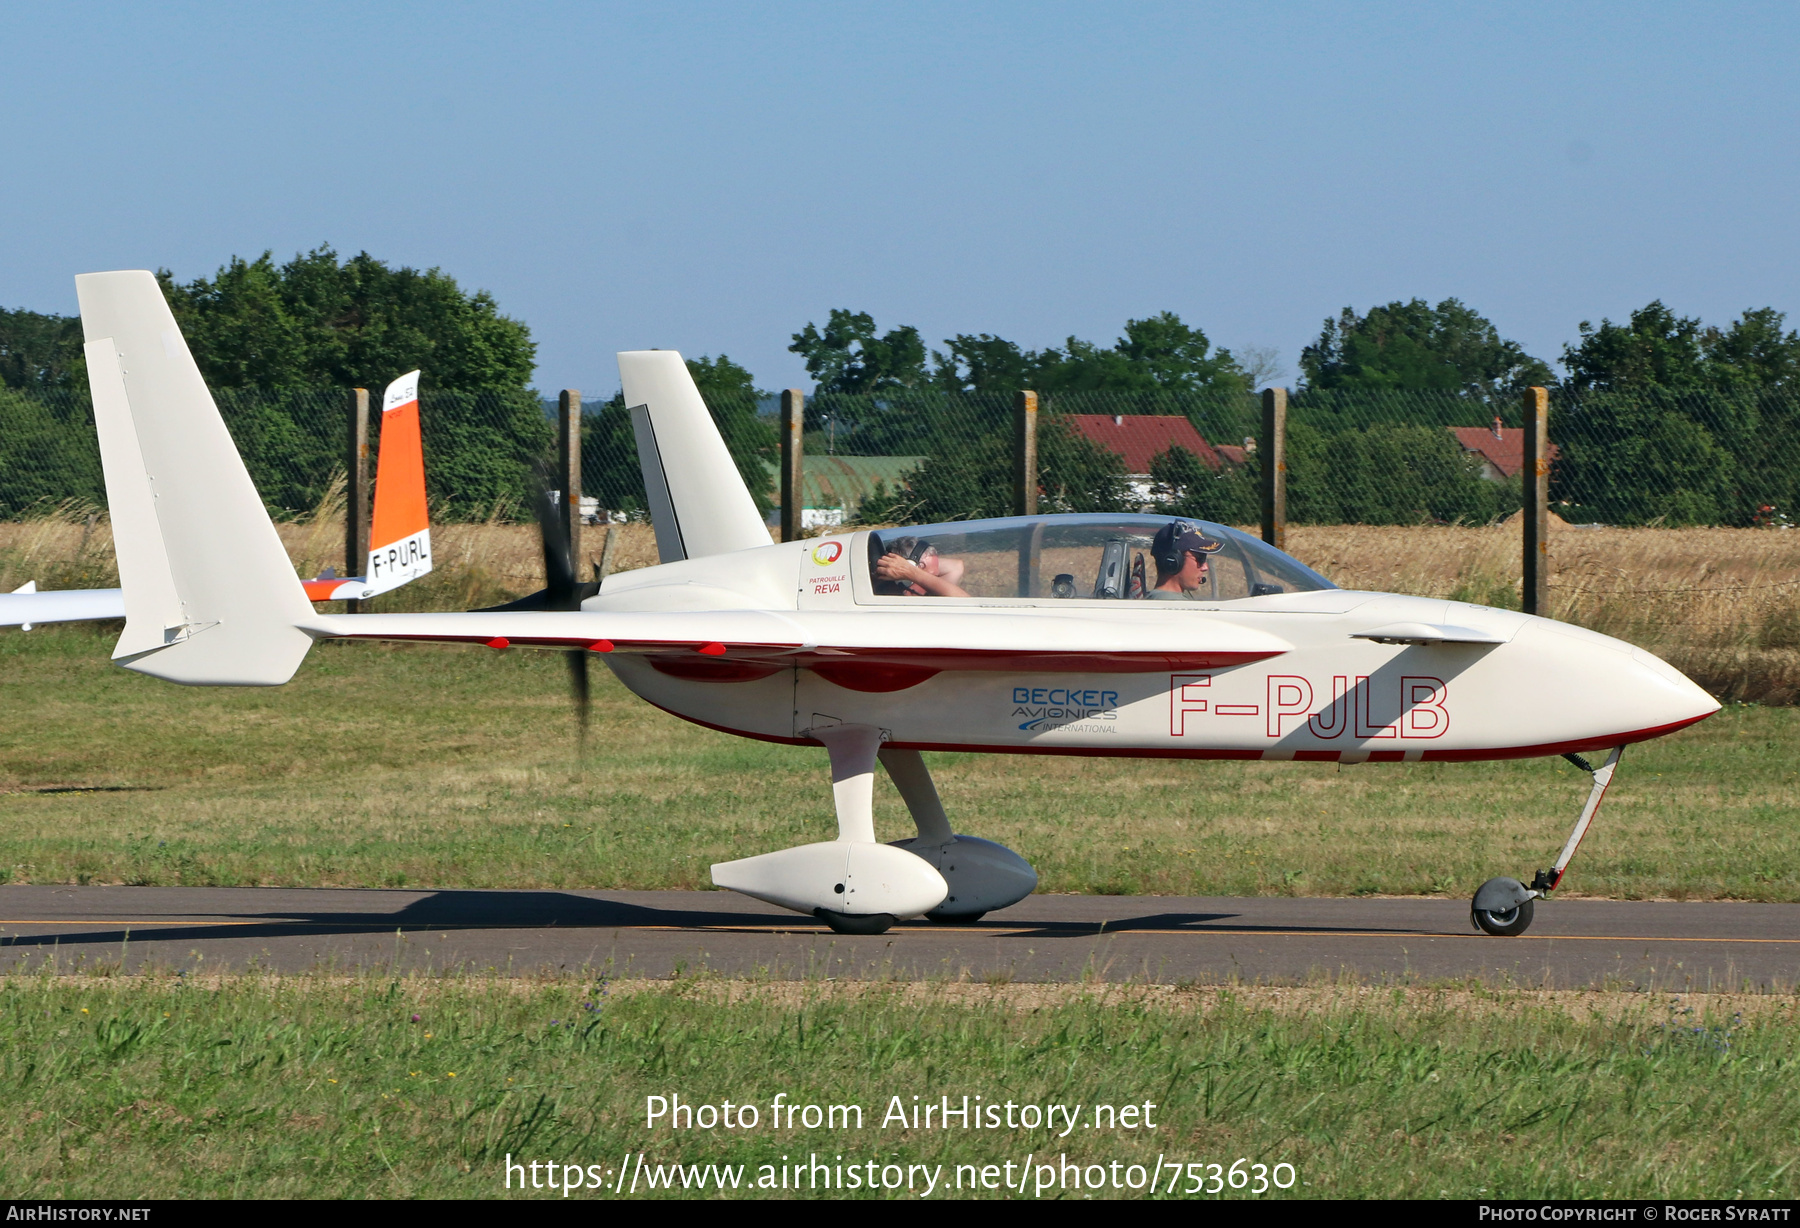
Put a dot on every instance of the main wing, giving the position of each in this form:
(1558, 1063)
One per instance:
(856, 645)
(26, 606)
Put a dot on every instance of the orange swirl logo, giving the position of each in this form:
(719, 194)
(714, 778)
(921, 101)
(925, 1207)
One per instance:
(828, 553)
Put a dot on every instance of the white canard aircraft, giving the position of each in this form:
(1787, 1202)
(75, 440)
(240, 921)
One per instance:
(399, 533)
(1033, 647)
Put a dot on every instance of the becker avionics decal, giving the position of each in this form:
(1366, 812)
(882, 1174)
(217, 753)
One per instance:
(1076, 709)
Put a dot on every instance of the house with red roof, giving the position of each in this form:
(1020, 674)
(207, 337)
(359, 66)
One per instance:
(1501, 448)
(1138, 438)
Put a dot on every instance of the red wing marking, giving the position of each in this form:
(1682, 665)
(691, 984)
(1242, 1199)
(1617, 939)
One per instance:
(712, 650)
(498, 642)
(601, 646)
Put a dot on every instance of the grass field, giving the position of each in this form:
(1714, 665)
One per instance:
(321, 1087)
(390, 766)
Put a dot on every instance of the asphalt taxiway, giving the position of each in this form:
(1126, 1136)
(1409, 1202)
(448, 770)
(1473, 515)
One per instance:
(1572, 944)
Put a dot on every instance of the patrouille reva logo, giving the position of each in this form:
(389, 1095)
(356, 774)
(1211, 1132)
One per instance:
(827, 553)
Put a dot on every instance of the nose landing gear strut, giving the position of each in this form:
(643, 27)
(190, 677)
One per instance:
(1504, 906)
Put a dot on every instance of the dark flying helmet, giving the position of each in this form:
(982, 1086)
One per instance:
(1177, 538)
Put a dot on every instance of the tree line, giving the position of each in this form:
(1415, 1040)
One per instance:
(1658, 416)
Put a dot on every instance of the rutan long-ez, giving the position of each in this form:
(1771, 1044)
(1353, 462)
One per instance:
(805, 643)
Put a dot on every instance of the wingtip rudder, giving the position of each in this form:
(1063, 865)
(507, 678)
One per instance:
(210, 596)
(699, 503)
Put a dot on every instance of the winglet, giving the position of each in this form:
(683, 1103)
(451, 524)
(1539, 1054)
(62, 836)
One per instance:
(699, 504)
(210, 596)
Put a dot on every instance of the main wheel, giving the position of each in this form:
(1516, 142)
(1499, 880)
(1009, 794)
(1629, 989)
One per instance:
(855, 923)
(1507, 924)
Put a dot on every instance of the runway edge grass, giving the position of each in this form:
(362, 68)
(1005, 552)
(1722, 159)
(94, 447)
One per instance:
(332, 1087)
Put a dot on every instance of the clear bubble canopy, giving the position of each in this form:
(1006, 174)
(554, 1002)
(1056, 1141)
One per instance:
(1094, 556)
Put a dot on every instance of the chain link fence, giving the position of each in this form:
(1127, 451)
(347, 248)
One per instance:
(1684, 497)
(1385, 458)
(481, 450)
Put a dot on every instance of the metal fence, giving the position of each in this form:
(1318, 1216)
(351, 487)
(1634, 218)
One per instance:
(908, 455)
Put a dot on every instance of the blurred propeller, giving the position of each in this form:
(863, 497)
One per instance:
(561, 591)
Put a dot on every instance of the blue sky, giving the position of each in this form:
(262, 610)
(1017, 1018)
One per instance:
(711, 177)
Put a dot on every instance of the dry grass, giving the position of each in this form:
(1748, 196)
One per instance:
(477, 564)
(1722, 605)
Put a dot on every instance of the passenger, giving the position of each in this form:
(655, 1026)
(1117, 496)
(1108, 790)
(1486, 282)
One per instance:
(1181, 568)
(915, 567)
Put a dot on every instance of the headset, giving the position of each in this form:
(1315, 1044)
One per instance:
(1165, 547)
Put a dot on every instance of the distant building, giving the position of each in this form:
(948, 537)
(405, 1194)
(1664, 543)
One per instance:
(1232, 454)
(1501, 448)
(1138, 438)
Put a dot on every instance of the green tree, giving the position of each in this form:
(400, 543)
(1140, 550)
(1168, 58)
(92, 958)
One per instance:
(1074, 475)
(1176, 357)
(1417, 347)
(1634, 458)
(981, 362)
(41, 351)
(1187, 487)
(318, 322)
(1655, 349)
(609, 459)
(358, 323)
(848, 356)
(48, 452)
(1156, 354)
(1753, 354)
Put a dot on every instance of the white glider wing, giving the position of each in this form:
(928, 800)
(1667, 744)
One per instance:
(27, 606)
(823, 639)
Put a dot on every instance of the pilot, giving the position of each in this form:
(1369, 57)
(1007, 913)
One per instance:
(916, 567)
(1180, 552)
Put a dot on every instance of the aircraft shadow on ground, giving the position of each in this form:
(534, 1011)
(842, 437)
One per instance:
(532, 910)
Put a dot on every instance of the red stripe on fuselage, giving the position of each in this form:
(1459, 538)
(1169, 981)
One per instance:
(1099, 752)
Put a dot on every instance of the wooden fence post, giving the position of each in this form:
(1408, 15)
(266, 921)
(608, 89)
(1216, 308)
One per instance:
(606, 552)
(1273, 449)
(356, 491)
(568, 470)
(1025, 466)
(793, 493)
(1534, 481)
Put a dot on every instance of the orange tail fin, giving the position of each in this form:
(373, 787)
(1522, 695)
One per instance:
(400, 537)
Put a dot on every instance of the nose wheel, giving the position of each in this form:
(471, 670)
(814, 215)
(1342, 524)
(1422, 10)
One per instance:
(1509, 907)
(1504, 906)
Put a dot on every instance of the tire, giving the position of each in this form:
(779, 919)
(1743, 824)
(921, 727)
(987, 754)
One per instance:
(955, 918)
(1507, 924)
(855, 923)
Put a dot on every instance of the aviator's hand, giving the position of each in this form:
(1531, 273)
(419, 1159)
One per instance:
(895, 567)
(898, 567)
